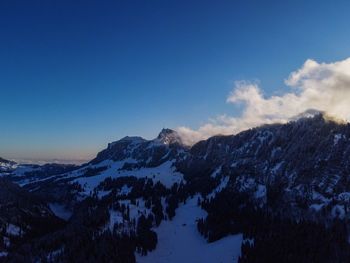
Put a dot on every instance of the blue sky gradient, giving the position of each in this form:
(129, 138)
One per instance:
(75, 75)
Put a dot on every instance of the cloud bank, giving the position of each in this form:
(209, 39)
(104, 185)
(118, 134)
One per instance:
(320, 86)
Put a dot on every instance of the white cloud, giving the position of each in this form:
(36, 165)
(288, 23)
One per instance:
(321, 86)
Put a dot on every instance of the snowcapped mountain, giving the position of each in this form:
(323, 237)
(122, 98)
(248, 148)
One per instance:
(6, 165)
(129, 156)
(144, 153)
(168, 136)
(26, 173)
(303, 160)
(245, 192)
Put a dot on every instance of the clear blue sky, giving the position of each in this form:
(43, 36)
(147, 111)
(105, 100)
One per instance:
(75, 75)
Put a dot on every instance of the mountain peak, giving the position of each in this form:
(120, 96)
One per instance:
(316, 115)
(310, 113)
(169, 136)
(166, 131)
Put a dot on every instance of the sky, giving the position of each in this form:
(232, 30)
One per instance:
(75, 75)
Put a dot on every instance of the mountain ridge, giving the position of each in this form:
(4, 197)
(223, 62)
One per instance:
(296, 172)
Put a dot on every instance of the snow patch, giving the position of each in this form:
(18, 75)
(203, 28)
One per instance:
(216, 172)
(220, 187)
(260, 191)
(13, 230)
(277, 167)
(115, 217)
(125, 190)
(338, 137)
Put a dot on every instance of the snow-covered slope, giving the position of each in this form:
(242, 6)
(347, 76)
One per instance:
(179, 240)
(157, 189)
(24, 174)
(306, 159)
(164, 173)
(130, 156)
(144, 153)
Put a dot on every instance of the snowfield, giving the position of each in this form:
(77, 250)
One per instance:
(164, 173)
(180, 241)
